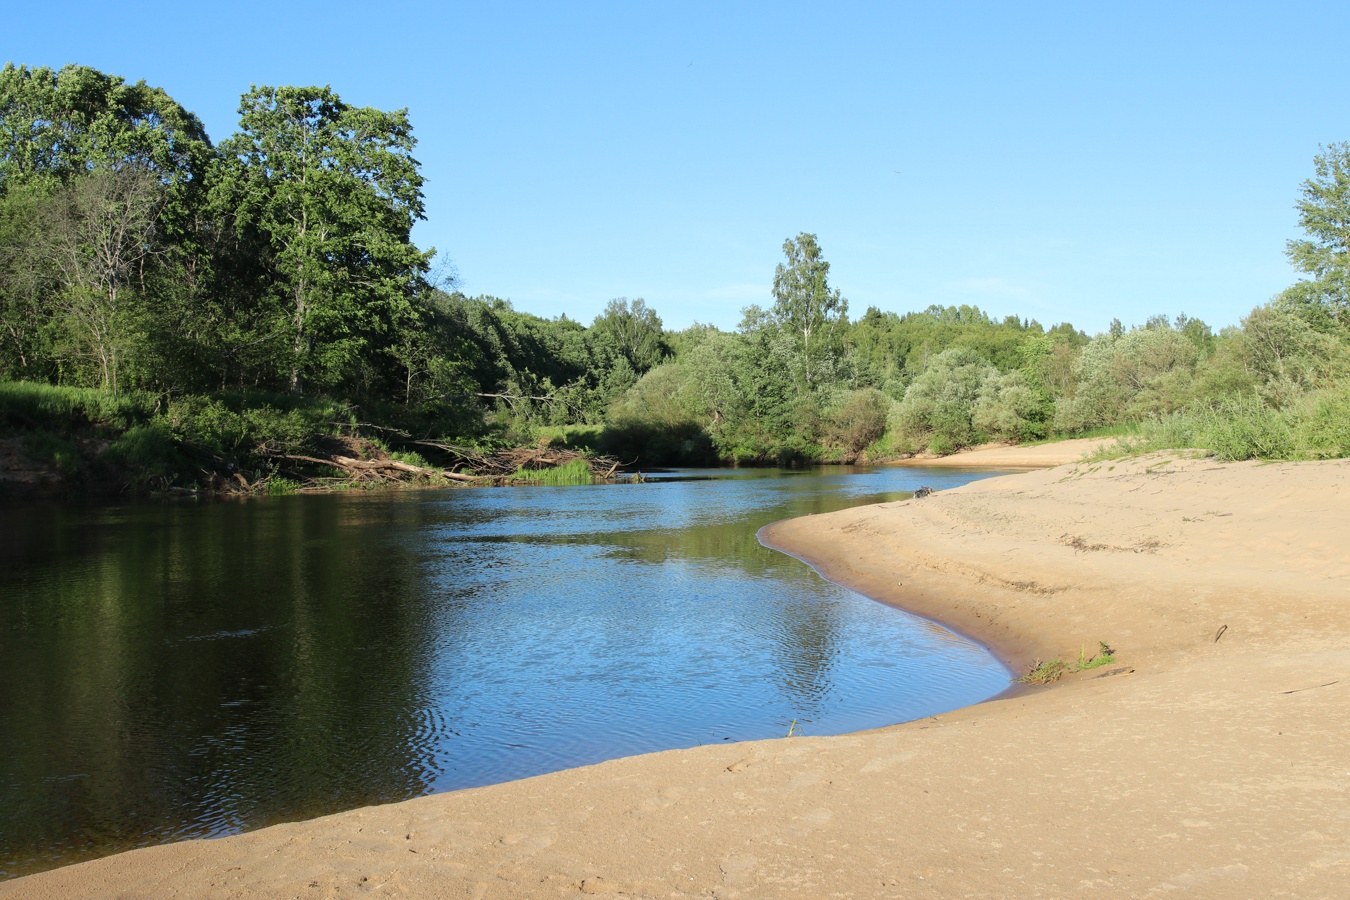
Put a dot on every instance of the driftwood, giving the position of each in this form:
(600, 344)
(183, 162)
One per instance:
(363, 461)
(508, 461)
(354, 466)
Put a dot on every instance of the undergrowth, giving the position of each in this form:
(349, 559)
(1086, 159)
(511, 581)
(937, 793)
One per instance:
(1314, 425)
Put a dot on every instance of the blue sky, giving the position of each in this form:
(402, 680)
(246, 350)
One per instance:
(1064, 162)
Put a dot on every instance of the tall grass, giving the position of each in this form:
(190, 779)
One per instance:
(64, 409)
(574, 472)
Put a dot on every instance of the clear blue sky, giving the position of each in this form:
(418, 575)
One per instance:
(1054, 161)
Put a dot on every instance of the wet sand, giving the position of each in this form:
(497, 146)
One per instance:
(1210, 760)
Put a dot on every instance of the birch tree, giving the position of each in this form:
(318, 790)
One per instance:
(806, 307)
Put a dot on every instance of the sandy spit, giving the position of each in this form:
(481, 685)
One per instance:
(1211, 760)
(1010, 456)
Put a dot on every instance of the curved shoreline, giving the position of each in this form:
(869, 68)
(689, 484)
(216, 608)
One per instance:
(789, 537)
(1009, 652)
(1212, 760)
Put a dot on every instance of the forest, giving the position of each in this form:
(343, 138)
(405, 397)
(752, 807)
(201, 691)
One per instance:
(180, 313)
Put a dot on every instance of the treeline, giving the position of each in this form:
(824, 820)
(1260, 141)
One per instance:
(263, 291)
(800, 382)
(138, 256)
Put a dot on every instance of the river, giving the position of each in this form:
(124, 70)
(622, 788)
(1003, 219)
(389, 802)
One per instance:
(184, 670)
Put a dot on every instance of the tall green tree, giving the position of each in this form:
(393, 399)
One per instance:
(332, 191)
(806, 307)
(57, 125)
(1324, 255)
(101, 184)
(633, 331)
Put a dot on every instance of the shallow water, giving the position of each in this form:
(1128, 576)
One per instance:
(175, 671)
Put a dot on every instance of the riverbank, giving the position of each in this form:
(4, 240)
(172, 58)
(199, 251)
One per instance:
(1210, 758)
(1010, 456)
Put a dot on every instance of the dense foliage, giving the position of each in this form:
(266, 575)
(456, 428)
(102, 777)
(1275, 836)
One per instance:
(261, 292)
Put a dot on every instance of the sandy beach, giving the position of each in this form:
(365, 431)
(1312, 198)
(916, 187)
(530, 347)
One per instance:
(1010, 456)
(1209, 760)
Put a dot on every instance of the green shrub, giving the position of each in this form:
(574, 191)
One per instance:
(412, 459)
(208, 423)
(940, 402)
(857, 419)
(280, 487)
(1245, 428)
(146, 450)
(1323, 423)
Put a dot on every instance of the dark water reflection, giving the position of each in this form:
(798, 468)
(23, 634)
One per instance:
(193, 670)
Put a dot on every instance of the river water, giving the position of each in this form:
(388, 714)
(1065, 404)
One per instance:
(190, 670)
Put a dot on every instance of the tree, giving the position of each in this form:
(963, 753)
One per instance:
(634, 331)
(1324, 255)
(1129, 376)
(97, 236)
(938, 405)
(333, 192)
(57, 125)
(805, 306)
(100, 184)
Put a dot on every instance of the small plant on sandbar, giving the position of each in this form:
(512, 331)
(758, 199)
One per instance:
(1044, 672)
(1105, 655)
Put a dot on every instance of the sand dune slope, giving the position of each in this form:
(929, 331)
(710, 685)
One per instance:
(1193, 766)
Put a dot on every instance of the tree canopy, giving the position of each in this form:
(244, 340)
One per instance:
(331, 192)
(1323, 253)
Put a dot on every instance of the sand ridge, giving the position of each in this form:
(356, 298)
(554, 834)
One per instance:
(1211, 768)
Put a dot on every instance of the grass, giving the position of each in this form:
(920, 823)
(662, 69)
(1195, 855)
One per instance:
(66, 409)
(1047, 671)
(1105, 656)
(1044, 672)
(280, 487)
(574, 472)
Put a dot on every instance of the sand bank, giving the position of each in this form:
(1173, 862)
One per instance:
(1010, 456)
(1213, 768)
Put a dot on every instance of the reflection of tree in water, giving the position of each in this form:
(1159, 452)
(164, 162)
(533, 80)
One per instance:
(806, 630)
(727, 539)
(205, 669)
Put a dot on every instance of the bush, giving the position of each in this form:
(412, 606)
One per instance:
(1143, 372)
(1246, 428)
(858, 419)
(656, 422)
(1323, 423)
(940, 402)
(231, 425)
(1010, 409)
(148, 451)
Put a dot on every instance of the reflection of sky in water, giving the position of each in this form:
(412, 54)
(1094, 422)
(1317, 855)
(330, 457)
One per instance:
(648, 617)
(187, 670)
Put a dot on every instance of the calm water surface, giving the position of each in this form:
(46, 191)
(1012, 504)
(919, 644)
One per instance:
(175, 671)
